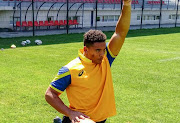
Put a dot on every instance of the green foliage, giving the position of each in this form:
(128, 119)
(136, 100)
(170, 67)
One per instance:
(146, 76)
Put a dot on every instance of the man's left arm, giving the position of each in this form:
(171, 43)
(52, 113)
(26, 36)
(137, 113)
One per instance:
(122, 28)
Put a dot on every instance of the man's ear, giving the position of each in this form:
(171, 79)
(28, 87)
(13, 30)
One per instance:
(85, 49)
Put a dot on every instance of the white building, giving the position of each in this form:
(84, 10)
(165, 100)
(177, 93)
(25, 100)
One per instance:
(84, 11)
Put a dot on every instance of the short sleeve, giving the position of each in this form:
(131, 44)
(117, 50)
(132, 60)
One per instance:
(109, 54)
(62, 80)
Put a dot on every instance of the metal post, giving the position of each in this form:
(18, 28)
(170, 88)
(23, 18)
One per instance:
(142, 14)
(14, 8)
(121, 4)
(168, 5)
(82, 16)
(15, 3)
(67, 19)
(160, 14)
(20, 18)
(96, 17)
(103, 5)
(33, 16)
(176, 13)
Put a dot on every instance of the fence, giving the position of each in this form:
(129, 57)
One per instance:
(67, 15)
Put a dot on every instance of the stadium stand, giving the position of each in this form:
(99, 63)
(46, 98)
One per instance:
(46, 23)
(56, 10)
(79, 1)
(155, 2)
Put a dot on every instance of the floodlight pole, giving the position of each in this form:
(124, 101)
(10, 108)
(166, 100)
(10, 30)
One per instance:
(20, 17)
(142, 13)
(33, 16)
(67, 15)
(176, 13)
(160, 14)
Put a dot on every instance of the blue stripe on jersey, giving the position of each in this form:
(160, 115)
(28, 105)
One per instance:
(63, 70)
(62, 80)
(110, 58)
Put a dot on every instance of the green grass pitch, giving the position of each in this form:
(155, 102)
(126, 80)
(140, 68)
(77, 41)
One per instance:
(146, 76)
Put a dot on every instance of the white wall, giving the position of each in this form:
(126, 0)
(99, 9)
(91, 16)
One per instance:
(5, 16)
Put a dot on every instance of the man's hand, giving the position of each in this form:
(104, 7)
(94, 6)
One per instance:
(127, 2)
(76, 116)
(86, 120)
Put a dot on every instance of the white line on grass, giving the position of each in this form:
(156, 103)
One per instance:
(170, 59)
(158, 51)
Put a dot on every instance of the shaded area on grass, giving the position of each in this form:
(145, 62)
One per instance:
(64, 38)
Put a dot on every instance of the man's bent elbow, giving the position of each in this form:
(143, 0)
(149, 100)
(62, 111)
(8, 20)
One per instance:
(48, 95)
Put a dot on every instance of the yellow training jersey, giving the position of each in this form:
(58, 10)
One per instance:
(88, 86)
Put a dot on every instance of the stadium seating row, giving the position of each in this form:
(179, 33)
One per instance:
(155, 2)
(46, 23)
(80, 1)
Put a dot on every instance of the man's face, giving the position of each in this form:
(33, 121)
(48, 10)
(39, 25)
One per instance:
(95, 52)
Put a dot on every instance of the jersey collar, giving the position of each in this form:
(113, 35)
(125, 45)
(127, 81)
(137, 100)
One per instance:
(82, 57)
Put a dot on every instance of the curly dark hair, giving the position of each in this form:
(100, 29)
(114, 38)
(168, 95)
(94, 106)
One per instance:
(93, 36)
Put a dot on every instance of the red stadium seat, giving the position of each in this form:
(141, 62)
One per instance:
(135, 2)
(155, 2)
(46, 23)
(88, 1)
(100, 1)
(106, 1)
(18, 23)
(41, 23)
(24, 24)
(61, 22)
(65, 22)
(75, 23)
(51, 23)
(36, 23)
(56, 23)
(118, 1)
(70, 22)
(30, 23)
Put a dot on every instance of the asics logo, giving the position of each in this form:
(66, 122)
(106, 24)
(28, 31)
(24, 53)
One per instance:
(81, 73)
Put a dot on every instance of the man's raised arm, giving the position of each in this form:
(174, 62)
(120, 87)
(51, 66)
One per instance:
(122, 28)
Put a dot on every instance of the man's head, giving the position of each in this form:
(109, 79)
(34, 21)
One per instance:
(94, 45)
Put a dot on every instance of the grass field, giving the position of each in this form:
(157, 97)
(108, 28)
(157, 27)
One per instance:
(146, 77)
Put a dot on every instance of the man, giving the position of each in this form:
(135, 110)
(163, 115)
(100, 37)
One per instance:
(87, 79)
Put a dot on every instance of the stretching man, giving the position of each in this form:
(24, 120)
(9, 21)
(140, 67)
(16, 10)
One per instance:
(87, 79)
